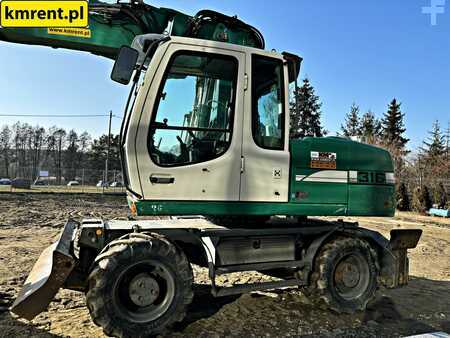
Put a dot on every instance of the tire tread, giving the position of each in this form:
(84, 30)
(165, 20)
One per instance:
(319, 287)
(129, 248)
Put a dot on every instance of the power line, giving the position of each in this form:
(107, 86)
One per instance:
(43, 115)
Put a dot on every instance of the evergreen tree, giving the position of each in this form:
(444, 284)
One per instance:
(422, 199)
(440, 196)
(393, 127)
(352, 122)
(403, 201)
(370, 128)
(435, 147)
(391, 136)
(99, 150)
(305, 121)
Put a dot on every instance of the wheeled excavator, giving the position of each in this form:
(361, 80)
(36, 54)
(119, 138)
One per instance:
(205, 132)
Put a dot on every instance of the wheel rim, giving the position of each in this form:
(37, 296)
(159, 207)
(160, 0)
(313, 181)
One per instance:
(352, 276)
(144, 291)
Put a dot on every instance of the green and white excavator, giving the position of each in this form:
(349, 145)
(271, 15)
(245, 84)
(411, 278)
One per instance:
(205, 132)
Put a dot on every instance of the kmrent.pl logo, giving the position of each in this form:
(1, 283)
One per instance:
(50, 13)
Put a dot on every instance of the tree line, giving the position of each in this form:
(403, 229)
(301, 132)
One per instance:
(423, 176)
(25, 150)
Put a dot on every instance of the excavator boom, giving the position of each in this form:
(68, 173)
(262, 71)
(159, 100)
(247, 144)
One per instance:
(113, 25)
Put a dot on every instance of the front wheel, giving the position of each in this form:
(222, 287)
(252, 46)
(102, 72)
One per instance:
(345, 275)
(139, 287)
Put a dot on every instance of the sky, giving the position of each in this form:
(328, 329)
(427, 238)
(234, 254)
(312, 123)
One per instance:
(362, 51)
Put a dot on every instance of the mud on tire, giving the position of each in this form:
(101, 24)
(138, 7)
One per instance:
(139, 287)
(345, 276)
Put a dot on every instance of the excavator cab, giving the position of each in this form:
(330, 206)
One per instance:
(211, 121)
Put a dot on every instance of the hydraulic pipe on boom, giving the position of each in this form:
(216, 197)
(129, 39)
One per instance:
(112, 26)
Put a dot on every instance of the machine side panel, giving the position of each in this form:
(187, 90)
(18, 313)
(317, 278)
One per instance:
(371, 200)
(150, 208)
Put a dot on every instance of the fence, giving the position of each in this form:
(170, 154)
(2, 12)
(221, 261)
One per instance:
(68, 179)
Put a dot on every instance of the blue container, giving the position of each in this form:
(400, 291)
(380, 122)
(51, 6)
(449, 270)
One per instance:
(439, 212)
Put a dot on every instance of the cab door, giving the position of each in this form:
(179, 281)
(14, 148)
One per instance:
(265, 150)
(190, 134)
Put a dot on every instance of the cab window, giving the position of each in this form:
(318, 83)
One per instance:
(193, 119)
(268, 122)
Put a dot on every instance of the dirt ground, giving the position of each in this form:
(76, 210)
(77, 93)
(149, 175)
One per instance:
(29, 223)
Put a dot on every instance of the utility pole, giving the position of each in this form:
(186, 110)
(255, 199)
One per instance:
(109, 147)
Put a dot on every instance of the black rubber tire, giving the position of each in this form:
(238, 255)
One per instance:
(323, 285)
(239, 221)
(102, 298)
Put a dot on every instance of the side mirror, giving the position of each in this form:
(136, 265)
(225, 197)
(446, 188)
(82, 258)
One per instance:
(124, 65)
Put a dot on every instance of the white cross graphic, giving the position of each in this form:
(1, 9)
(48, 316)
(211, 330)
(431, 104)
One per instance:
(436, 7)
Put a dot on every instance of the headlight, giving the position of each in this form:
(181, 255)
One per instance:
(390, 178)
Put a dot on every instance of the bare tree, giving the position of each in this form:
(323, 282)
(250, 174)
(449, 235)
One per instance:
(37, 141)
(21, 139)
(71, 154)
(59, 136)
(5, 147)
(84, 143)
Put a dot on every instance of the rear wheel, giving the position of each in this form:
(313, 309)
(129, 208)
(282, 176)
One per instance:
(345, 275)
(139, 287)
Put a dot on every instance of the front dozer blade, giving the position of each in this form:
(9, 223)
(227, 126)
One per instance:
(47, 276)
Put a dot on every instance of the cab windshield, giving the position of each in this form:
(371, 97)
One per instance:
(193, 116)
